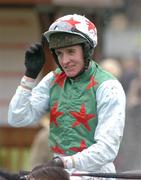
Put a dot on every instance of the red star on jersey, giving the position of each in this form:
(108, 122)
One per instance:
(79, 149)
(91, 83)
(60, 79)
(90, 25)
(57, 149)
(72, 22)
(82, 117)
(54, 114)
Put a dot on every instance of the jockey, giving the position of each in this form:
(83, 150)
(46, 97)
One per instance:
(86, 103)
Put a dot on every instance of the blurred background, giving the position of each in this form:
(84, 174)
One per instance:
(118, 24)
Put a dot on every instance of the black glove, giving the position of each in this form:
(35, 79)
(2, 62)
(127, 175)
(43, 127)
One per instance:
(34, 60)
(55, 162)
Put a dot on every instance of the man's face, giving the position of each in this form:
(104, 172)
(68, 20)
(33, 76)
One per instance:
(71, 60)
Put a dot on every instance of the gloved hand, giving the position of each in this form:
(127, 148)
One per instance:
(34, 60)
(55, 162)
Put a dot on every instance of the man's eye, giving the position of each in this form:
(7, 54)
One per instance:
(71, 51)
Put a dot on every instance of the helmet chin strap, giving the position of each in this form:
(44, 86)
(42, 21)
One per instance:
(79, 73)
(82, 71)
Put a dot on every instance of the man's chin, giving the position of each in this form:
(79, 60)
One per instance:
(69, 73)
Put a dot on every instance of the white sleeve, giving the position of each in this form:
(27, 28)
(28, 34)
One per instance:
(111, 102)
(28, 106)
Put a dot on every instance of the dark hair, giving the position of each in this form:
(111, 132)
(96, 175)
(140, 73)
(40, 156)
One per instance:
(2, 178)
(5, 175)
(49, 173)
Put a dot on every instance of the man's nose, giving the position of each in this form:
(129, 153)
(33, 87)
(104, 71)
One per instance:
(65, 59)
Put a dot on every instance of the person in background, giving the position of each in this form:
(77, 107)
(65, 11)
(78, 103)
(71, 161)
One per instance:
(113, 66)
(48, 173)
(7, 175)
(40, 173)
(2, 178)
(129, 68)
(134, 91)
(131, 143)
(86, 103)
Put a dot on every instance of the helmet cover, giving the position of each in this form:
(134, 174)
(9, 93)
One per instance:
(76, 25)
(60, 40)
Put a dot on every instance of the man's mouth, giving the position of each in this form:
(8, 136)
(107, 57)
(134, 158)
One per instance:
(69, 68)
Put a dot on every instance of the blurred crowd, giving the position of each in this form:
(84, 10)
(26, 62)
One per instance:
(128, 71)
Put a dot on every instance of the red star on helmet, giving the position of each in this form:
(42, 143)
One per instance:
(72, 21)
(82, 117)
(79, 149)
(54, 114)
(90, 25)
